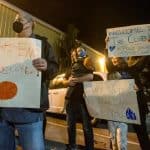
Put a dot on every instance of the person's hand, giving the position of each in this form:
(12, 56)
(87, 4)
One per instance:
(106, 42)
(73, 81)
(40, 64)
(136, 88)
(106, 39)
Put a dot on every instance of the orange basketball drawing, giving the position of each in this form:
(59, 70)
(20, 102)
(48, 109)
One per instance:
(8, 90)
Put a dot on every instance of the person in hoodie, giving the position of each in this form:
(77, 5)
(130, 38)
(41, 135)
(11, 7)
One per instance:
(29, 122)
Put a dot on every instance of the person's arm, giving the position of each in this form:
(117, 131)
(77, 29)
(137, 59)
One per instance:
(47, 64)
(71, 81)
(137, 64)
(52, 64)
(66, 78)
(87, 77)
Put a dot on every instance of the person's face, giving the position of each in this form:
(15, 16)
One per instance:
(27, 26)
(115, 61)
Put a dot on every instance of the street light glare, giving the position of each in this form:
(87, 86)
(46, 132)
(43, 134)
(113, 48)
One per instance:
(102, 64)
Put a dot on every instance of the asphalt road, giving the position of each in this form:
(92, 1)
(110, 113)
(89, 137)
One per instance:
(52, 145)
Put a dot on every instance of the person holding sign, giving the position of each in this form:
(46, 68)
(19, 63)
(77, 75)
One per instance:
(132, 69)
(118, 130)
(81, 70)
(29, 122)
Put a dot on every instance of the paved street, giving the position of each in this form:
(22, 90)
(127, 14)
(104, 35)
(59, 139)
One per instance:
(52, 145)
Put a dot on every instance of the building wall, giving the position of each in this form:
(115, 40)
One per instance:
(7, 15)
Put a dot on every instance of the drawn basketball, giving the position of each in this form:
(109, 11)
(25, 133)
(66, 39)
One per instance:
(8, 90)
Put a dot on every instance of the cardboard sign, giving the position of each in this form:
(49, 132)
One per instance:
(112, 100)
(20, 82)
(129, 41)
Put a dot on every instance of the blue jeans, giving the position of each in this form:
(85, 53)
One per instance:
(118, 135)
(30, 135)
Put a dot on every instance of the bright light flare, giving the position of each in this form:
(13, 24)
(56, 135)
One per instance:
(102, 64)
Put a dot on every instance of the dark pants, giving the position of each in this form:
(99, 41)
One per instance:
(141, 130)
(142, 134)
(75, 106)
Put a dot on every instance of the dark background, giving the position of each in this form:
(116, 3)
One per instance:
(91, 17)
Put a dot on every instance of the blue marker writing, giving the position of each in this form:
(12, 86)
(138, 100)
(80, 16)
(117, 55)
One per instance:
(130, 114)
(112, 48)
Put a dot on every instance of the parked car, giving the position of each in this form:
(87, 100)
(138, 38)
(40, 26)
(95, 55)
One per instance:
(57, 92)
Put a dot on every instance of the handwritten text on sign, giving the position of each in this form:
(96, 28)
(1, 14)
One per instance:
(19, 80)
(129, 41)
(112, 100)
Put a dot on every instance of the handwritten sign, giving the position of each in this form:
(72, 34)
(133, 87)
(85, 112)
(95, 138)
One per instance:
(129, 41)
(19, 80)
(112, 100)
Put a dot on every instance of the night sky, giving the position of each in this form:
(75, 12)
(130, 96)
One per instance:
(91, 17)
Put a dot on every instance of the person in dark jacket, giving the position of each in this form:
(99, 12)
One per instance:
(29, 122)
(135, 70)
(81, 70)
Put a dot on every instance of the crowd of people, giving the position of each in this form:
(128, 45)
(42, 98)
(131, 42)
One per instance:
(30, 122)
